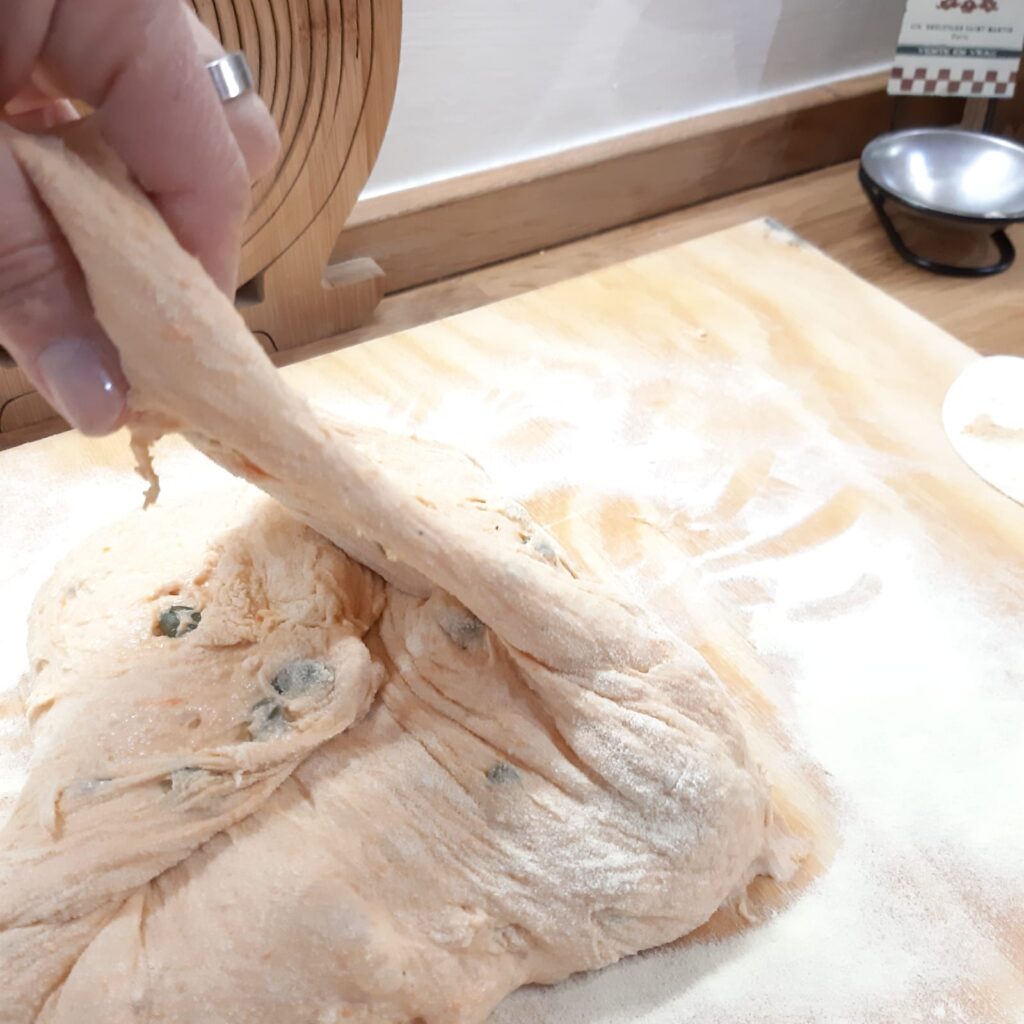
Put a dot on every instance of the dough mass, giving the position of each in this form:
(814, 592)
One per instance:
(376, 756)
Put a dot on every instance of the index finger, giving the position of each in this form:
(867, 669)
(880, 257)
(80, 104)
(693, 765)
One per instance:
(136, 62)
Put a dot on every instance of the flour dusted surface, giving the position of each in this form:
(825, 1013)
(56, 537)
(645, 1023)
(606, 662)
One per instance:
(897, 664)
(910, 921)
(905, 689)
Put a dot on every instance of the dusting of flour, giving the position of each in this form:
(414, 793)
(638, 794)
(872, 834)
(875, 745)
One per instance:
(898, 671)
(894, 668)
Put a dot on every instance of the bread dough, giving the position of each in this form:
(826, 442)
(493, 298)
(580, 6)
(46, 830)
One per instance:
(983, 416)
(441, 819)
(372, 751)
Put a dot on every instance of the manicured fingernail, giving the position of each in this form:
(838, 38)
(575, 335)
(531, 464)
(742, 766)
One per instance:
(80, 386)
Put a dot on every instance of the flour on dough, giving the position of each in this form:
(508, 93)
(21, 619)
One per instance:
(983, 416)
(367, 747)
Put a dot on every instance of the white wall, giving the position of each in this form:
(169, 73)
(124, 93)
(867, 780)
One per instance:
(489, 82)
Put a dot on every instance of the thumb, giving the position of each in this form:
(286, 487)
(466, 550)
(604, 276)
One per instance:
(46, 320)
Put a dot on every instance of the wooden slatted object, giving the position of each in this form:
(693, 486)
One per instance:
(327, 69)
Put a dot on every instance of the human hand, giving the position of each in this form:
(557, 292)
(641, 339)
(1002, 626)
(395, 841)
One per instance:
(139, 64)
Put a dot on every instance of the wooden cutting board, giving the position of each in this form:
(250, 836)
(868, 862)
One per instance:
(748, 439)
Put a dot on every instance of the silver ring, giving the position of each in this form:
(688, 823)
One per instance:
(231, 76)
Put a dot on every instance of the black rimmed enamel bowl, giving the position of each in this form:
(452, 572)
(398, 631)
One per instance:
(965, 180)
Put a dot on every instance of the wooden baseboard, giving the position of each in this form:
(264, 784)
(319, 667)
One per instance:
(428, 233)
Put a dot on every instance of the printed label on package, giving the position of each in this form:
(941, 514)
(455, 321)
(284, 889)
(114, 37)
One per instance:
(969, 48)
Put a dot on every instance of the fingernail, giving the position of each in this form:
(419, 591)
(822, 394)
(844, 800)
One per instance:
(80, 386)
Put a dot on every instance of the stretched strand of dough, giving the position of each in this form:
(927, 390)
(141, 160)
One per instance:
(194, 367)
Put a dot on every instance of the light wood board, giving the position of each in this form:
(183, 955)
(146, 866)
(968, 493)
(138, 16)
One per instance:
(748, 439)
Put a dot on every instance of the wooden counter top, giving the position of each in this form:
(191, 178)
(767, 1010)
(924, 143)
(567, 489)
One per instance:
(827, 208)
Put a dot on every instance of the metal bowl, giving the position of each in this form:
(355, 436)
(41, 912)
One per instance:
(950, 172)
(962, 178)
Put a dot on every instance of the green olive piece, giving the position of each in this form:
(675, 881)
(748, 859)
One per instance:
(178, 620)
(266, 719)
(463, 630)
(303, 677)
(502, 772)
(186, 781)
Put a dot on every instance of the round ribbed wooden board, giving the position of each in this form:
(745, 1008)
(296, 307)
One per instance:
(327, 70)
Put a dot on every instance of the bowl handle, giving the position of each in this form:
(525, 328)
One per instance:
(1007, 253)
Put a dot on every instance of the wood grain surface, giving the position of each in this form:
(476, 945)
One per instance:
(826, 207)
(746, 438)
